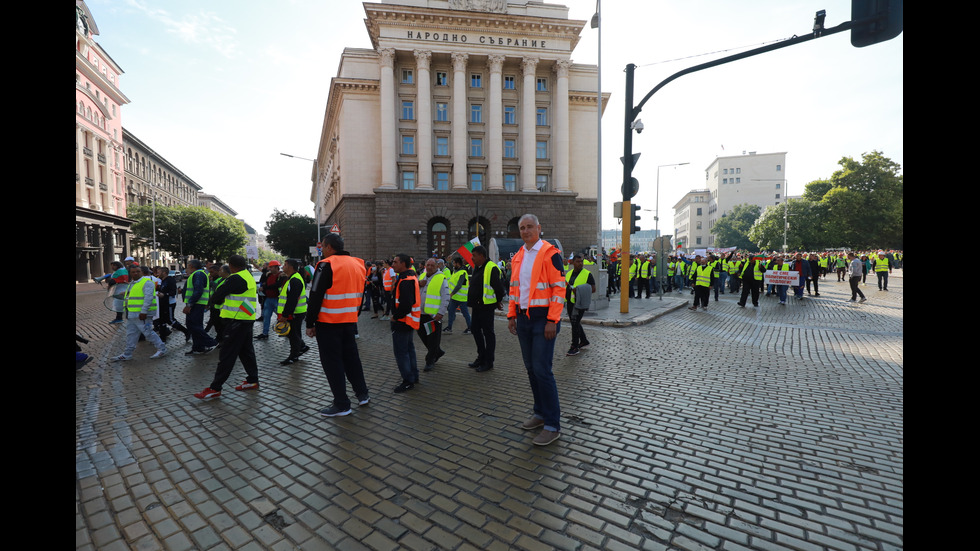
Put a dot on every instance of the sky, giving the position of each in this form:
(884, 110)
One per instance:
(221, 88)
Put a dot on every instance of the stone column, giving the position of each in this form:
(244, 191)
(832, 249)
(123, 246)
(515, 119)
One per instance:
(459, 121)
(528, 127)
(423, 138)
(559, 134)
(389, 162)
(495, 125)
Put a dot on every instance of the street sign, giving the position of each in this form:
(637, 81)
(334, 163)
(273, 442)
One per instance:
(335, 229)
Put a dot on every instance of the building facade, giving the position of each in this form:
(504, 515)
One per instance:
(465, 115)
(753, 179)
(101, 226)
(151, 179)
(691, 220)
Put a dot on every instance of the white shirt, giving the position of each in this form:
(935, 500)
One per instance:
(527, 266)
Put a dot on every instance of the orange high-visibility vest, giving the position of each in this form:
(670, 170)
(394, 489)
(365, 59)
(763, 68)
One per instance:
(387, 279)
(547, 283)
(343, 299)
(414, 318)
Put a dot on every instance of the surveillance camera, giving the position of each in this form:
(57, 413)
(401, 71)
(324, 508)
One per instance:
(638, 126)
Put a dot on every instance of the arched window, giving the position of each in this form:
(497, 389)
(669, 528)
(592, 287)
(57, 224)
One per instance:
(439, 237)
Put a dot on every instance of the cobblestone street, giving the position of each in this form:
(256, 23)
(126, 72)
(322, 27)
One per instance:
(771, 428)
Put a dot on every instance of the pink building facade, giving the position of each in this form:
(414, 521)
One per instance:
(101, 226)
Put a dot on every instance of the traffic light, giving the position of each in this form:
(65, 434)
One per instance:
(886, 27)
(634, 216)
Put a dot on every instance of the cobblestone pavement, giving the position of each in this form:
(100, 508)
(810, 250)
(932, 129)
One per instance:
(778, 428)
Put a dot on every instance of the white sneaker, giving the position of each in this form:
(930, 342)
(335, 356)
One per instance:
(158, 354)
(120, 358)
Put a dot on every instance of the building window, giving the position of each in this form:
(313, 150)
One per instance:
(510, 182)
(724, 171)
(779, 185)
(442, 146)
(510, 149)
(408, 180)
(724, 180)
(476, 113)
(738, 171)
(442, 181)
(408, 145)
(541, 181)
(441, 78)
(476, 80)
(542, 85)
(541, 150)
(408, 110)
(542, 116)
(442, 112)
(407, 76)
(779, 168)
(510, 114)
(699, 211)
(777, 196)
(476, 147)
(476, 181)
(698, 241)
(738, 180)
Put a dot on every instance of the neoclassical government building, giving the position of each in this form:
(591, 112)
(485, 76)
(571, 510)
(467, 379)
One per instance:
(465, 115)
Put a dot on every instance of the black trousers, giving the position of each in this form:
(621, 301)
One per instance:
(854, 287)
(432, 342)
(340, 360)
(701, 295)
(750, 286)
(486, 340)
(236, 345)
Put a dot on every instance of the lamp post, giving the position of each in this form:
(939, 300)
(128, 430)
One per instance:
(661, 258)
(595, 24)
(316, 206)
(786, 214)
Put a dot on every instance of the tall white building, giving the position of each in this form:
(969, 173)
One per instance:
(465, 115)
(753, 179)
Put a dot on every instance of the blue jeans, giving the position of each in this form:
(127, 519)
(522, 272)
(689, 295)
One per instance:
(781, 291)
(403, 343)
(268, 310)
(453, 304)
(538, 353)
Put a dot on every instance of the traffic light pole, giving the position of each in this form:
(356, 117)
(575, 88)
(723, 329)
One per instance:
(624, 268)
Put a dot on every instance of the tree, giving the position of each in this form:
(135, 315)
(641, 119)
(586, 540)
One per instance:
(291, 234)
(191, 231)
(815, 190)
(805, 232)
(874, 211)
(732, 229)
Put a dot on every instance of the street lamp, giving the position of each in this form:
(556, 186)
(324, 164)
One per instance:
(316, 206)
(598, 198)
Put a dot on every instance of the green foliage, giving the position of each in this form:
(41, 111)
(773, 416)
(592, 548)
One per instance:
(874, 210)
(815, 190)
(291, 234)
(732, 230)
(805, 227)
(192, 231)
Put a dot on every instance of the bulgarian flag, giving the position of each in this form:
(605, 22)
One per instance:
(466, 251)
(247, 308)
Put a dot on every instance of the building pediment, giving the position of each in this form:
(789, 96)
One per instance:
(410, 27)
